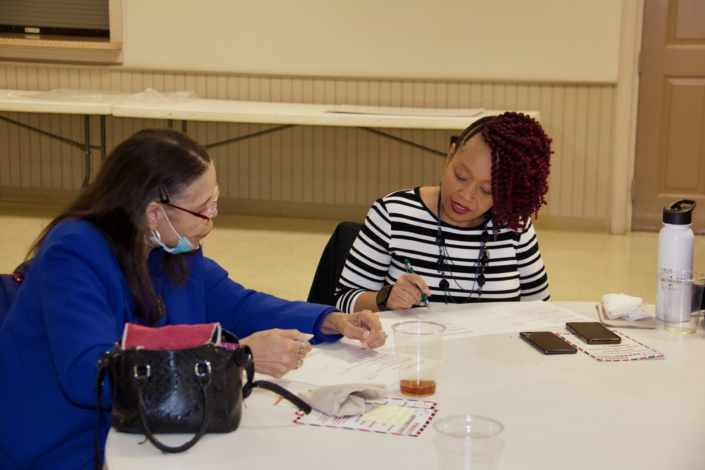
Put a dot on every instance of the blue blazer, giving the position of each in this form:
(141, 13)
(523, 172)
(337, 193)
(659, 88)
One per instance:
(73, 307)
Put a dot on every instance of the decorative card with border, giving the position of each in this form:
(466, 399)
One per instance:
(398, 416)
(628, 350)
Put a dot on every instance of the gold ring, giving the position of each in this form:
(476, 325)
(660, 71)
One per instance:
(298, 364)
(303, 349)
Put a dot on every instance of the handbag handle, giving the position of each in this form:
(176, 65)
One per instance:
(102, 364)
(243, 357)
(141, 376)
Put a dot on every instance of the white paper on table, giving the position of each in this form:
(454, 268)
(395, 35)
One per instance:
(486, 319)
(394, 111)
(346, 362)
(628, 350)
(423, 414)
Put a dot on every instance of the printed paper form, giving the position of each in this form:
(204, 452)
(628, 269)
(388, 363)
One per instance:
(486, 319)
(346, 362)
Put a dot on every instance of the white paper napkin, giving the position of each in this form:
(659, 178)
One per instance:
(623, 306)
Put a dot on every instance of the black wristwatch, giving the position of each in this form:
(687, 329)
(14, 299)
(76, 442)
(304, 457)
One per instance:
(382, 297)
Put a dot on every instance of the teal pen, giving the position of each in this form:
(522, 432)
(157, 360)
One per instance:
(410, 270)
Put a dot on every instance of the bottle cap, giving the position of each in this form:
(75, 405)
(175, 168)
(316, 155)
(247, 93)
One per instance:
(679, 213)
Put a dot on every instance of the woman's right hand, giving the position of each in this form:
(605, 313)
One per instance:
(405, 294)
(276, 351)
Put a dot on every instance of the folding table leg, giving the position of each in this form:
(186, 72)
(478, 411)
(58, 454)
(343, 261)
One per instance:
(103, 147)
(87, 149)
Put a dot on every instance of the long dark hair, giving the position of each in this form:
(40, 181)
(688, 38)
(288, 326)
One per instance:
(116, 202)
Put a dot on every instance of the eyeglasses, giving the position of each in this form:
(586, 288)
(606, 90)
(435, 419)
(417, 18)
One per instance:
(209, 214)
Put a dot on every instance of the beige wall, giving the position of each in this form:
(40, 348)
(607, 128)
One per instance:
(543, 40)
(337, 173)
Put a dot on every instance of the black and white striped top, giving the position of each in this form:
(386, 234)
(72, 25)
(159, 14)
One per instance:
(400, 226)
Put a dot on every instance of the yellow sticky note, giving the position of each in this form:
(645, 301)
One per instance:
(388, 414)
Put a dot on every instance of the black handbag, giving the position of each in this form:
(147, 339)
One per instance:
(196, 390)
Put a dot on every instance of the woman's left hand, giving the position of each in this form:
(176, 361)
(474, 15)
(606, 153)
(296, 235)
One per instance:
(363, 326)
(276, 351)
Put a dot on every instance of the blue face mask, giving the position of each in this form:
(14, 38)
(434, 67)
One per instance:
(184, 245)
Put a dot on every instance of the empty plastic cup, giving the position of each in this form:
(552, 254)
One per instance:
(467, 442)
(682, 298)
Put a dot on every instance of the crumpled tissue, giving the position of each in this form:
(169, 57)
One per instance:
(344, 399)
(623, 306)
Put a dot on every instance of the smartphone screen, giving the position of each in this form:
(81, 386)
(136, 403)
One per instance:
(548, 343)
(593, 333)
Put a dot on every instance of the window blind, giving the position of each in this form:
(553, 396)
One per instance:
(63, 17)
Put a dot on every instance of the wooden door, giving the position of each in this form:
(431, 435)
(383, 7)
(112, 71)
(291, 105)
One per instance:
(670, 142)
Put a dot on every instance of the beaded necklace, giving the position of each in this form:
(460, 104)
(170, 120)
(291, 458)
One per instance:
(445, 262)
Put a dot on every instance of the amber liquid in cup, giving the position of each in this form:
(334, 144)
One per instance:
(417, 387)
(418, 347)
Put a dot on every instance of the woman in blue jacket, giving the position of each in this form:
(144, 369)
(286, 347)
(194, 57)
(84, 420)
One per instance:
(128, 251)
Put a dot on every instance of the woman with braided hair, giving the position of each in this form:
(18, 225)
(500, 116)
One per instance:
(470, 239)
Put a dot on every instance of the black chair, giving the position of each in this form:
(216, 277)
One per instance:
(9, 286)
(332, 262)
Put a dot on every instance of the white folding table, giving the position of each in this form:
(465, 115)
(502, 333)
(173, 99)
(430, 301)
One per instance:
(292, 114)
(52, 102)
(559, 412)
(284, 115)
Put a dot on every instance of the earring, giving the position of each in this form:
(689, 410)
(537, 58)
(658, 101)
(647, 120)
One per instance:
(153, 235)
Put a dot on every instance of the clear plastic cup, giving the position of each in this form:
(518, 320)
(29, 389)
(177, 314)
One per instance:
(682, 298)
(419, 347)
(466, 442)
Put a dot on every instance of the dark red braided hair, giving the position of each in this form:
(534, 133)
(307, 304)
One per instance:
(521, 153)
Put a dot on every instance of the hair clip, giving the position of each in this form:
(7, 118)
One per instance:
(163, 196)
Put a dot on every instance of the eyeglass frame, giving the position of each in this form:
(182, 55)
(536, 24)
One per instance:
(209, 212)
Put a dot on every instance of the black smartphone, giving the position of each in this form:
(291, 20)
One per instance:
(593, 333)
(548, 343)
